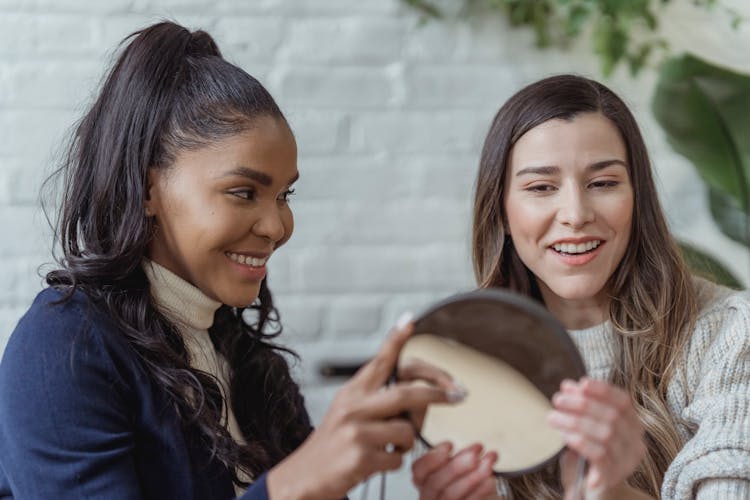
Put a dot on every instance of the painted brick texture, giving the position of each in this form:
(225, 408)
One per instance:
(389, 116)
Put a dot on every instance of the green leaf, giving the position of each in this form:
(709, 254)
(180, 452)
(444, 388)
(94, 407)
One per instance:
(704, 265)
(427, 9)
(705, 112)
(577, 18)
(729, 216)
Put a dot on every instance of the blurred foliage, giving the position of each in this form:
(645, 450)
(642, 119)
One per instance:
(704, 265)
(622, 31)
(705, 111)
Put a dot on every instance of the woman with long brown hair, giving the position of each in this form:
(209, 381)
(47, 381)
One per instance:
(566, 212)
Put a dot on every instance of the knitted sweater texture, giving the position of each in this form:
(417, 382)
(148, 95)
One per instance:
(709, 396)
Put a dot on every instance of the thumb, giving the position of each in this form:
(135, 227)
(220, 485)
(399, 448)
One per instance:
(572, 474)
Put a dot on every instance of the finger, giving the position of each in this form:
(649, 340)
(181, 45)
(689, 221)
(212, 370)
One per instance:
(486, 490)
(397, 399)
(591, 450)
(590, 408)
(430, 461)
(606, 392)
(416, 369)
(380, 434)
(460, 464)
(377, 371)
(595, 429)
(467, 484)
(380, 461)
(568, 466)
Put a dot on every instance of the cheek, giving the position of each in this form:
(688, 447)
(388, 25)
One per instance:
(523, 219)
(287, 220)
(620, 215)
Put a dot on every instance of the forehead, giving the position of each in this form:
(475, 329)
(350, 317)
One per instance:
(267, 146)
(587, 138)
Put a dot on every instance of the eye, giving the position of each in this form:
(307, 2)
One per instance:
(245, 194)
(540, 188)
(604, 184)
(286, 195)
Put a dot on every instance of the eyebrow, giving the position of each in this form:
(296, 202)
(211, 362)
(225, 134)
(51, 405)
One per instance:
(259, 177)
(550, 170)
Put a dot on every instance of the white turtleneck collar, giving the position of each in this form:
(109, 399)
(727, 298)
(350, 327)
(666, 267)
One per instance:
(181, 301)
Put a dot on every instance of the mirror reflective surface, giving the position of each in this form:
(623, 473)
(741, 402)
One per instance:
(511, 354)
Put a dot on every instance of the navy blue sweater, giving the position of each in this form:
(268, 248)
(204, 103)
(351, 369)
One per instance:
(79, 418)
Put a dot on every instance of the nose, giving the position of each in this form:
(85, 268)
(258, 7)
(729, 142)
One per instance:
(575, 208)
(270, 223)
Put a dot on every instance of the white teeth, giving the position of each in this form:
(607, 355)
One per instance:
(572, 248)
(247, 260)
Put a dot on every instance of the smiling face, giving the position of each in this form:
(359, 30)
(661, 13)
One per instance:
(569, 208)
(222, 210)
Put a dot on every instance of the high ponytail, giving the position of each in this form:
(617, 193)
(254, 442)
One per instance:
(170, 90)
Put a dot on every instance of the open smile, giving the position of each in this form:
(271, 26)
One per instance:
(576, 249)
(247, 260)
(576, 253)
(248, 267)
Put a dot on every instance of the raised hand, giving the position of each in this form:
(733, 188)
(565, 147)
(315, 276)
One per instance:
(363, 432)
(467, 475)
(598, 422)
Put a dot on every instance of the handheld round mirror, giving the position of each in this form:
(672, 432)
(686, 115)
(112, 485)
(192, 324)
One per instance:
(511, 355)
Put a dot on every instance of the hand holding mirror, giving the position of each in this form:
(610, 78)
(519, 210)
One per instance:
(511, 354)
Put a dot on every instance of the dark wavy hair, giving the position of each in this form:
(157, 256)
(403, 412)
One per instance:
(653, 304)
(171, 90)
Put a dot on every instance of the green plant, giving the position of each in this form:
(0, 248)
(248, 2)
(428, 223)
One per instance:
(622, 31)
(705, 111)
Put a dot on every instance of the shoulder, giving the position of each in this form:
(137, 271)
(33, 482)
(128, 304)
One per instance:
(721, 335)
(55, 319)
(61, 337)
(721, 308)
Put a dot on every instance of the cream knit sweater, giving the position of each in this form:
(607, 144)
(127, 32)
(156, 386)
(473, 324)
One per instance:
(193, 313)
(712, 394)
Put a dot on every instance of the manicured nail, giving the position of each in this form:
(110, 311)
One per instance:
(554, 417)
(458, 392)
(404, 319)
(444, 448)
(468, 459)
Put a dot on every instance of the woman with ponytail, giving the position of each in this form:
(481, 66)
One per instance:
(566, 212)
(149, 367)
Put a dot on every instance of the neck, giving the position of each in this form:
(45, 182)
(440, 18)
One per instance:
(576, 314)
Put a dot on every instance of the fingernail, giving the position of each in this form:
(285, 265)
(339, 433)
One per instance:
(404, 319)
(469, 459)
(553, 417)
(457, 393)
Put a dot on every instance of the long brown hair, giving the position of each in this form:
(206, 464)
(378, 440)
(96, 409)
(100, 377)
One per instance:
(652, 301)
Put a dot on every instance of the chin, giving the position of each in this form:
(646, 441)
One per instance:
(240, 300)
(240, 303)
(579, 290)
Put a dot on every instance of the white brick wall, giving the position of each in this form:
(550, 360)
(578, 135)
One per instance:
(389, 117)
